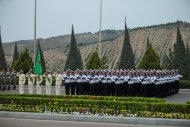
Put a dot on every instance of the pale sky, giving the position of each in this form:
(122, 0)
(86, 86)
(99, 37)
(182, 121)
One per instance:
(55, 17)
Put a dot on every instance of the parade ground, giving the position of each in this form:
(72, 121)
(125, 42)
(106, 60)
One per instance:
(182, 97)
(22, 119)
(10, 122)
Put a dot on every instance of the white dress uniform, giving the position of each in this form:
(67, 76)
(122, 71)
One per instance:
(31, 80)
(48, 83)
(39, 80)
(58, 83)
(22, 80)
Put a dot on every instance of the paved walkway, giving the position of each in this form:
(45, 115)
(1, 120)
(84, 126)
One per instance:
(13, 119)
(15, 122)
(182, 97)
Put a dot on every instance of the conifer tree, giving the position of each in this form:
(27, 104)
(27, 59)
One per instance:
(74, 59)
(188, 61)
(166, 64)
(43, 64)
(127, 60)
(94, 62)
(3, 64)
(171, 57)
(15, 55)
(151, 60)
(179, 54)
(24, 61)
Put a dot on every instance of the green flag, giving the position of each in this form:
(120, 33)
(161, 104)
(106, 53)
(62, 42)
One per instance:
(38, 66)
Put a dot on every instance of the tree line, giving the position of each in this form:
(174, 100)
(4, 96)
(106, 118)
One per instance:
(178, 58)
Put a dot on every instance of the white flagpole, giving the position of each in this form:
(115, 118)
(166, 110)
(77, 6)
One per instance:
(34, 32)
(100, 35)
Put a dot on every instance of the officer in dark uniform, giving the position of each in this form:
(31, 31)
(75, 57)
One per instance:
(66, 76)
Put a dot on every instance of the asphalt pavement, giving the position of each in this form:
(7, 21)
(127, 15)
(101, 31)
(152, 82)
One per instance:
(16, 122)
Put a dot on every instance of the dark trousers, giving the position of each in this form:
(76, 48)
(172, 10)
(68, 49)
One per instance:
(73, 88)
(125, 89)
(92, 88)
(78, 88)
(130, 89)
(67, 88)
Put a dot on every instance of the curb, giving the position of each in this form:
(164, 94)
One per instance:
(101, 119)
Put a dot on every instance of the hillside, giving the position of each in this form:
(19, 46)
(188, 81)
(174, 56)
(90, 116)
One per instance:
(55, 49)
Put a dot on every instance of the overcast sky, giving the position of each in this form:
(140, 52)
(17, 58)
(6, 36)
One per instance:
(55, 17)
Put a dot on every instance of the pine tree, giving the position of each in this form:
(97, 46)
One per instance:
(3, 64)
(15, 56)
(179, 54)
(127, 60)
(151, 60)
(94, 62)
(24, 61)
(74, 59)
(188, 61)
(43, 64)
(171, 57)
(166, 64)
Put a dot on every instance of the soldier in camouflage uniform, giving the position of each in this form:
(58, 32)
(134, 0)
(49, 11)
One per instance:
(3, 80)
(8, 76)
(14, 79)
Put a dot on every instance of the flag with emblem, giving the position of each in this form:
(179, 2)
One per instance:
(38, 65)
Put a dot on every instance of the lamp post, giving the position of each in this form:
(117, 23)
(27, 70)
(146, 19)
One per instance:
(100, 34)
(34, 32)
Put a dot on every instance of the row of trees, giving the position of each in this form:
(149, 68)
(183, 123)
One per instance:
(179, 58)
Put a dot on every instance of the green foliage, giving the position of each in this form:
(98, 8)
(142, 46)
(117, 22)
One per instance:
(151, 60)
(171, 57)
(43, 64)
(93, 104)
(74, 59)
(15, 56)
(24, 61)
(187, 62)
(94, 62)
(3, 64)
(127, 60)
(104, 62)
(179, 55)
(166, 64)
(88, 97)
(184, 84)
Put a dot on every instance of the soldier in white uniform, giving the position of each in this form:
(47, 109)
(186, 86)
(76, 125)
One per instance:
(58, 81)
(48, 81)
(39, 80)
(31, 81)
(22, 80)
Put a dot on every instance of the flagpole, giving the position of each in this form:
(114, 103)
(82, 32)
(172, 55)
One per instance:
(100, 35)
(34, 31)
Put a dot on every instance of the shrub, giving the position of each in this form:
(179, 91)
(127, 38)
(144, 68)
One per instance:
(184, 84)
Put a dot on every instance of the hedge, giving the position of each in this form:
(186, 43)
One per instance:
(88, 97)
(123, 106)
(184, 84)
(101, 104)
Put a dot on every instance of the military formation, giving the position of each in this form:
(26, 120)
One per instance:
(151, 83)
(145, 83)
(8, 80)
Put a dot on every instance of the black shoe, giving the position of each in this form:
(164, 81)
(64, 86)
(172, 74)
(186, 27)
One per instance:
(9, 88)
(14, 87)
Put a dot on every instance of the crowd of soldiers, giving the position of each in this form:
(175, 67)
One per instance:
(151, 83)
(146, 83)
(8, 80)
